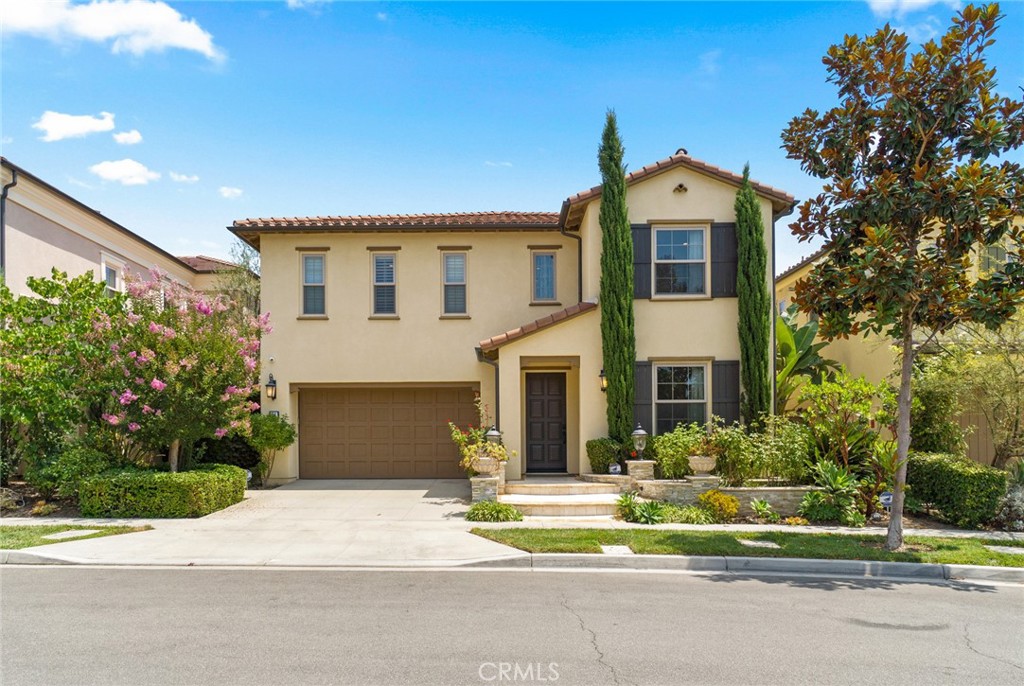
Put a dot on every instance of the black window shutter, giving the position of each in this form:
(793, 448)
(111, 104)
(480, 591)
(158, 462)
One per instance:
(643, 397)
(725, 390)
(641, 260)
(724, 256)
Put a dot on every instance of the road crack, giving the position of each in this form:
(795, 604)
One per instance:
(593, 643)
(970, 646)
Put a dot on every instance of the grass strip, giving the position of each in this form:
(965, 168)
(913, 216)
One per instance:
(18, 537)
(968, 551)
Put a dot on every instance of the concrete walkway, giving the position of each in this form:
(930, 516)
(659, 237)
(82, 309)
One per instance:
(394, 523)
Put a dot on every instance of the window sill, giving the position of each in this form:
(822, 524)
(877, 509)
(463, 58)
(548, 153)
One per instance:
(455, 316)
(695, 296)
(323, 317)
(384, 316)
(545, 303)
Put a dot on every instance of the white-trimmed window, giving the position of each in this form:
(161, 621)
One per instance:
(112, 274)
(385, 284)
(680, 261)
(544, 280)
(314, 284)
(453, 277)
(680, 395)
(993, 258)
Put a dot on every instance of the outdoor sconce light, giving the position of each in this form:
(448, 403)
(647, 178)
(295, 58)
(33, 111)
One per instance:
(272, 387)
(604, 381)
(493, 435)
(639, 437)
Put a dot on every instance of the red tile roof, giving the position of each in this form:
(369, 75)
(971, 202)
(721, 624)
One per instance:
(495, 342)
(484, 220)
(682, 159)
(205, 264)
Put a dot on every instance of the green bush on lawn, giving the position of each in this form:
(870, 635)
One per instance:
(602, 453)
(966, 493)
(151, 493)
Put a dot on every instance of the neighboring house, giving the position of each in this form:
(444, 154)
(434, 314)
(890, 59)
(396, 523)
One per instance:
(44, 227)
(385, 327)
(876, 359)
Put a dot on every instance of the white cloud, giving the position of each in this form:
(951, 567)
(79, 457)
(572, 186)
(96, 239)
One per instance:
(229, 192)
(126, 172)
(183, 178)
(901, 8)
(382, 16)
(131, 26)
(707, 63)
(57, 126)
(128, 137)
(489, 163)
(299, 4)
(922, 31)
(6, 140)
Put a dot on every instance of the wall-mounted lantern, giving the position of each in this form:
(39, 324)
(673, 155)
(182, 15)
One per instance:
(272, 387)
(604, 381)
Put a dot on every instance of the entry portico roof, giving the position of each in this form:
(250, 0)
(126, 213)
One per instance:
(494, 342)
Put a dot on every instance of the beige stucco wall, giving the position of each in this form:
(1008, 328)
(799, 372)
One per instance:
(44, 231)
(349, 346)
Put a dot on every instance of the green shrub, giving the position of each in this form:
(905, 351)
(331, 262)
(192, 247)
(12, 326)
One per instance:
(232, 449)
(734, 455)
(763, 510)
(721, 506)
(151, 493)
(966, 493)
(782, 450)
(626, 506)
(493, 511)
(933, 416)
(602, 453)
(650, 512)
(672, 450)
(687, 514)
(1010, 515)
(837, 501)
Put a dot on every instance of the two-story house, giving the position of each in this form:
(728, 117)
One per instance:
(42, 227)
(385, 327)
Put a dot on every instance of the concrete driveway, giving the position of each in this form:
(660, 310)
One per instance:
(308, 523)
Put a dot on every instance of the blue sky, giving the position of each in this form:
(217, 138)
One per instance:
(175, 119)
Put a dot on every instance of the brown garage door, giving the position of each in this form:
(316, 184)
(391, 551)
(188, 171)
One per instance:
(381, 433)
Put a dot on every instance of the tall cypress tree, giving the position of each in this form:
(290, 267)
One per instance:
(754, 304)
(618, 335)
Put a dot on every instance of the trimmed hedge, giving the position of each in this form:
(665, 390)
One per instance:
(151, 493)
(965, 492)
(602, 453)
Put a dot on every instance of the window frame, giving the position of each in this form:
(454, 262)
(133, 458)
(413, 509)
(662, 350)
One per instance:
(706, 261)
(303, 284)
(118, 267)
(553, 300)
(705, 364)
(374, 254)
(445, 283)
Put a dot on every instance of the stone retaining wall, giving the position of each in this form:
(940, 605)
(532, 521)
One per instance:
(484, 488)
(784, 499)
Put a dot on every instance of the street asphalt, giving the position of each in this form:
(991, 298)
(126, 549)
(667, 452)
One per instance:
(140, 626)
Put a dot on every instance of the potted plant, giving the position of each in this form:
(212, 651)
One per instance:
(481, 449)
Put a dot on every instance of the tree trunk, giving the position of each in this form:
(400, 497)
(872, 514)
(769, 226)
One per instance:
(1001, 456)
(895, 538)
(172, 454)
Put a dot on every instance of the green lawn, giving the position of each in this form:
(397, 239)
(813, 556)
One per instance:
(969, 551)
(16, 537)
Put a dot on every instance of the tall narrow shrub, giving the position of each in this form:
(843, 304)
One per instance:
(754, 304)
(618, 336)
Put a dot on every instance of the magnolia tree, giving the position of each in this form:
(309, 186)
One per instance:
(912, 194)
(181, 366)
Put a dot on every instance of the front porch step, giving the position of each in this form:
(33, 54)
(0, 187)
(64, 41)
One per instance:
(563, 487)
(583, 505)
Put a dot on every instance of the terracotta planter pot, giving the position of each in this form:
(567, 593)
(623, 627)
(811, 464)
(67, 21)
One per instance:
(702, 464)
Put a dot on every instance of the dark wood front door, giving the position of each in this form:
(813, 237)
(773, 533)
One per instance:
(545, 422)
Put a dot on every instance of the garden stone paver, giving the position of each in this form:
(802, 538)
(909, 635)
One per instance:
(1009, 550)
(616, 550)
(757, 544)
(61, 535)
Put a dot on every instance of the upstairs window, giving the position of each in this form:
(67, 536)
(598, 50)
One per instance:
(112, 278)
(544, 277)
(384, 284)
(680, 262)
(454, 282)
(993, 258)
(314, 296)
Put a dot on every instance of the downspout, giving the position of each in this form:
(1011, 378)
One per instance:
(497, 386)
(3, 219)
(579, 261)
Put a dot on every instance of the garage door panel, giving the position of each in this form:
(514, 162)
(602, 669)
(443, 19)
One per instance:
(386, 432)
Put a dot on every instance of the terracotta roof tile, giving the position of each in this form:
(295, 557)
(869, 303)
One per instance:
(205, 264)
(507, 219)
(495, 342)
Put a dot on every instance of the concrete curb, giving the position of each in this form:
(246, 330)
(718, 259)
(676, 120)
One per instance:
(20, 557)
(778, 565)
